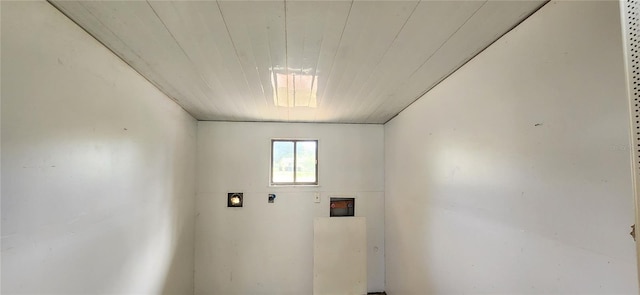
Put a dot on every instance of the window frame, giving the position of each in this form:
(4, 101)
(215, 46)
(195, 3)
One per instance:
(295, 158)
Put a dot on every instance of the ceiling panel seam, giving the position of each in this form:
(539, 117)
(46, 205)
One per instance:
(321, 97)
(286, 58)
(371, 73)
(265, 101)
(270, 63)
(185, 54)
(375, 111)
(235, 49)
(469, 60)
(315, 67)
(175, 100)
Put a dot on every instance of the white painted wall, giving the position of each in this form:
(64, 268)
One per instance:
(98, 167)
(512, 176)
(267, 248)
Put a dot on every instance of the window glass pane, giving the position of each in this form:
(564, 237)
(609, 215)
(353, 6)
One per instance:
(282, 165)
(306, 161)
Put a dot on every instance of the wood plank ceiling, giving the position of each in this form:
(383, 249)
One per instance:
(296, 61)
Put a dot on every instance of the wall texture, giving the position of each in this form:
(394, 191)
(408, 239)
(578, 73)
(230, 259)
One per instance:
(98, 167)
(512, 176)
(267, 248)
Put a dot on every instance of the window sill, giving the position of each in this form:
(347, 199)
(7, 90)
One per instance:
(294, 185)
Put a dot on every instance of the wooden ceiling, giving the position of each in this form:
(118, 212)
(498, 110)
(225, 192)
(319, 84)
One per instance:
(296, 61)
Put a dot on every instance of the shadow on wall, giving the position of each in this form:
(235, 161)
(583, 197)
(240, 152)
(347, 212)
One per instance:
(103, 236)
(179, 275)
(97, 166)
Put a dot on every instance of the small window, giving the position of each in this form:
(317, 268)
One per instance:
(294, 162)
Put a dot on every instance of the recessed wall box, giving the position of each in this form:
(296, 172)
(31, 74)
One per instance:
(234, 200)
(342, 207)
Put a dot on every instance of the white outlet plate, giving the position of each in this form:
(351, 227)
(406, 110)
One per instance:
(316, 197)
